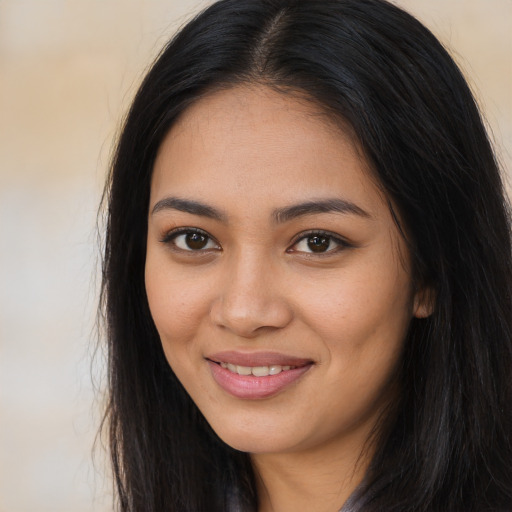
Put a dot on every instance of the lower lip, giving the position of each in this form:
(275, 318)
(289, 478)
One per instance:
(250, 387)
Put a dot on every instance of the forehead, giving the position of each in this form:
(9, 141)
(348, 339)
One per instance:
(250, 141)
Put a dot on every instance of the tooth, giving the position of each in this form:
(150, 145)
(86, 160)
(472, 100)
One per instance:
(260, 371)
(257, 371)
(243, 370)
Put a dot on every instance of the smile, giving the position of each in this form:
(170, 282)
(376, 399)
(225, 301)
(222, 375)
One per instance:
(257, 371)
(256, 376)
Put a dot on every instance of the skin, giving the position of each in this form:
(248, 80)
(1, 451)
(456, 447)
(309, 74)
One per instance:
(257, 286)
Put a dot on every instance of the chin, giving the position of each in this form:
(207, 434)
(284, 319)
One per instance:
(247, 438)
(254, 444)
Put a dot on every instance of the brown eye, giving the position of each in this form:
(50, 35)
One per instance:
(191, 241)
(196, 241)
(318, 243)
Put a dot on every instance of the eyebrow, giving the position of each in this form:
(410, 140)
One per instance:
(280, 215)
(333, 205)
(189, 206)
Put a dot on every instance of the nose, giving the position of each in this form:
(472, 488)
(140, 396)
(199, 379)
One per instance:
(250, 300)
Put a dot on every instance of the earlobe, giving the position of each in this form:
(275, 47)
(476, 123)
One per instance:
(424, 302)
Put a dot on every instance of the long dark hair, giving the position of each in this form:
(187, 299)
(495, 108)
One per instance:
(448, 446)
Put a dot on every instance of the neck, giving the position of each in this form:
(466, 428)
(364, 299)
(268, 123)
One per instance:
(320, 480)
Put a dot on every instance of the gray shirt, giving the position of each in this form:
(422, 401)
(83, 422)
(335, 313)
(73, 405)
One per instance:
(354, 502)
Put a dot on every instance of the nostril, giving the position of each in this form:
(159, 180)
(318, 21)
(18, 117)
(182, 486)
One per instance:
(249, 315)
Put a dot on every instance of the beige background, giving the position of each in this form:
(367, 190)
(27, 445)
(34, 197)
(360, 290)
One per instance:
(67, 72)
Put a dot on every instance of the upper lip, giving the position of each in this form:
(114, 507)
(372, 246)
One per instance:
(257, 359)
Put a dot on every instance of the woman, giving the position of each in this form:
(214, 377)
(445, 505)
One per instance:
(307, 275)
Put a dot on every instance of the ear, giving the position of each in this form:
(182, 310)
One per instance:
(424, 302)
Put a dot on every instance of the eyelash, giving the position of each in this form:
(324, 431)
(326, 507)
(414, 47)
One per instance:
(332, 238)
(171, 236)
(170, 239)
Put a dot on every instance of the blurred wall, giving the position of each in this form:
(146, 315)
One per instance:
(68, 69)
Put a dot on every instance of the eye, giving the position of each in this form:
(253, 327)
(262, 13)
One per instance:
(318, 242)
(191, 240)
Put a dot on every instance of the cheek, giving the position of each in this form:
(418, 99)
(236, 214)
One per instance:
(355, 311)
(177, 304)
(363, 324)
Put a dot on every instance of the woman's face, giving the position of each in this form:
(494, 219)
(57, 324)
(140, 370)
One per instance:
(276, 277)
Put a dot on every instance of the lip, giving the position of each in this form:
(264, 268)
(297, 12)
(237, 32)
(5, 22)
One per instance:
(249, 387)
(257, 359)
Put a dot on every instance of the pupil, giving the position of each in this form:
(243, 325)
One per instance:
(196, 240)
(318, 243)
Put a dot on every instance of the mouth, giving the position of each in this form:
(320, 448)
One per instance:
(257, 371)
(256, 376)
